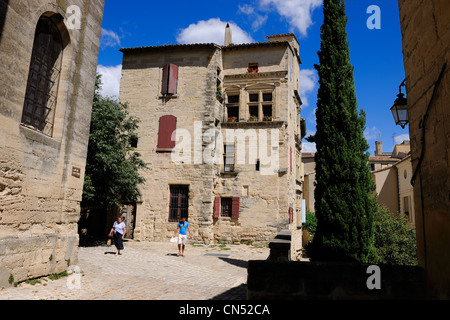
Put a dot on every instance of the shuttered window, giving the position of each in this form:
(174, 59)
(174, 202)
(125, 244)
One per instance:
(226, 207)
(169, 79)
(167, 126)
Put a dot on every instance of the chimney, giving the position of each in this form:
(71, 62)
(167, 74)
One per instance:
(378, 148)
(228, 35)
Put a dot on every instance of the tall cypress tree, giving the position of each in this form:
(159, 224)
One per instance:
(344, 206)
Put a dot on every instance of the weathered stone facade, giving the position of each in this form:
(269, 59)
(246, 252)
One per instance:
(425, 26)
(211, 81)
(42, 167)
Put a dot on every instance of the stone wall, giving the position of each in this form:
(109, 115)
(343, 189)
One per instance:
(425, 26)
(39, 196)
(294, 280)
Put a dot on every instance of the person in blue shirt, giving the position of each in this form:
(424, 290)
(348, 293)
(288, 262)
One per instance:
(182, 229)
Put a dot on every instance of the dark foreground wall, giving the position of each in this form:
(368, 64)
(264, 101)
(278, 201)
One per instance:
(273, 280)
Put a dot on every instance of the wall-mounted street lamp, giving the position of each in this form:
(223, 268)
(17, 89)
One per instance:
(400, 108)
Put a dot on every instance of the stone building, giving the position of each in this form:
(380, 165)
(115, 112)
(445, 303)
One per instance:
(309, 169)
(221, 131)
(48, 54)
(392, 172)
(425, 27)
(383, 159)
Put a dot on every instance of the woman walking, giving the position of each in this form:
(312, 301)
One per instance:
(119, 231)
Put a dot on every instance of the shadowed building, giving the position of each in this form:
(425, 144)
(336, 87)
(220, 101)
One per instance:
(48, 54)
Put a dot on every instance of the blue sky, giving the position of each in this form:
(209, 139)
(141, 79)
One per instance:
(376, 54)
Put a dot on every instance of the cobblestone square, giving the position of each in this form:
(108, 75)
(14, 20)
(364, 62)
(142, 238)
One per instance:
(149, 271)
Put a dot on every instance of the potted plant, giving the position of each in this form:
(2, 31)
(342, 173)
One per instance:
(232, 119)
(267, 118)
(253, 118)
(252, 70)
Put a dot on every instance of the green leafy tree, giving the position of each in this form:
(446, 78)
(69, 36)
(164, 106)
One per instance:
(344, 206)
(112, 168)
(395, 240)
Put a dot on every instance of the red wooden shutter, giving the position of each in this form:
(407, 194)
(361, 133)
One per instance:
(169, 79)
(167, 125)
(235, 208)
(217, 207)
(173, 79)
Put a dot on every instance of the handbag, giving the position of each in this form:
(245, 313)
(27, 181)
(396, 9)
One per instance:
(109, 242)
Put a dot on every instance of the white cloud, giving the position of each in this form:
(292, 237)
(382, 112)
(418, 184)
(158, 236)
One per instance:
(109, 39)
(258, 19)
(212, 31)
(309, 147)
(308, 83)
(403, 137)
(111, 80)
(371, 133)
(297, 12)
(246, 9)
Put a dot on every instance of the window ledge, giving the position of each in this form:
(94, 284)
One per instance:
(167, 96)
(164, 150)
(35, 135)
(226, 174)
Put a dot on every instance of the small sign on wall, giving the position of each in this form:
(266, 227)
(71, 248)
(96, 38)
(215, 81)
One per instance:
(76, 172)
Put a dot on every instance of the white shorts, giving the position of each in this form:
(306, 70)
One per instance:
(182, 239)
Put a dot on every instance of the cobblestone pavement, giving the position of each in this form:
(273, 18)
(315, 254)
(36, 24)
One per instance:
(149, 271)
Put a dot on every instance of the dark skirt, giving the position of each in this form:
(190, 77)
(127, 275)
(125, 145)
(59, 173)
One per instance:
(118, 241)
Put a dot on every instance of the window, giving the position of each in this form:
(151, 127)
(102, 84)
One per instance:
(226, 207)
(406, 205)
(267, 113)
(233, 99)
(252, 68)
(254, 97)
(233, 114)
(167, 125)
(228, 158)
(43, 77)
(226, 204)
(233, 107)
(179, 203)
(260, 106)
(169, 79)
(253, 113)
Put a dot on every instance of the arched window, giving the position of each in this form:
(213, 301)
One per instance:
(43, 77)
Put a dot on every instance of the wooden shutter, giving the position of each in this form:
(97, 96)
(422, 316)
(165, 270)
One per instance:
(235, 208)
(217, 207)
(173, 79)
(167, 125)
(169, 79)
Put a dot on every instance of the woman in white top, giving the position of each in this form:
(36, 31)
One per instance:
(119, 231)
